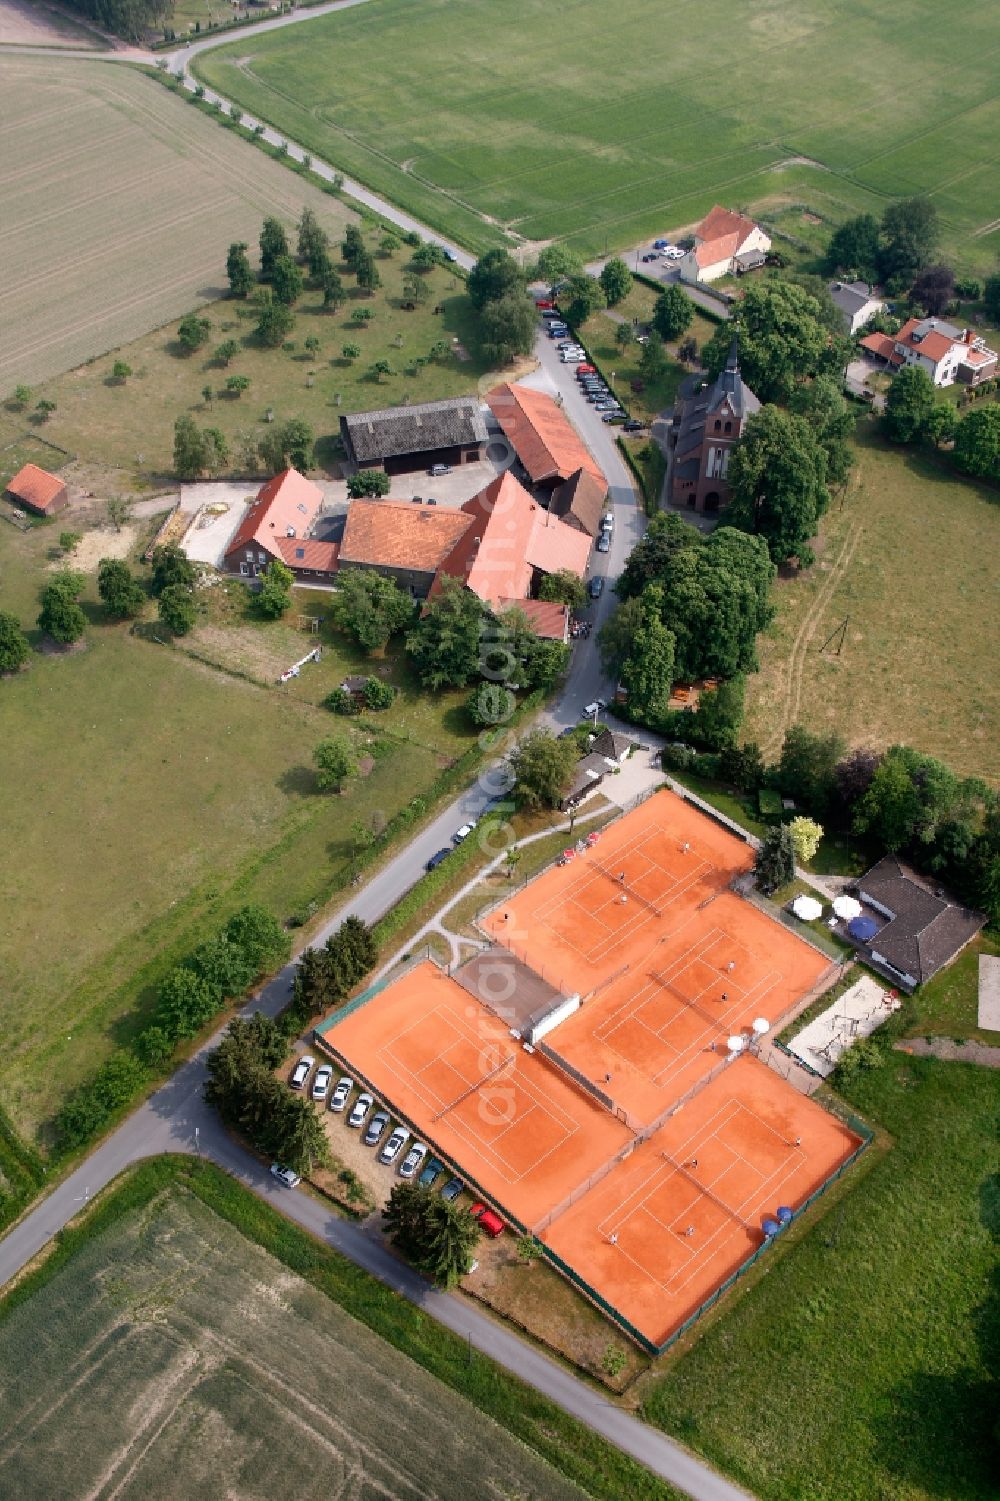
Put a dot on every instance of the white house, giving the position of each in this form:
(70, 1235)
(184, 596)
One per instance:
(855, 302)
(724, 243)
(946, 353)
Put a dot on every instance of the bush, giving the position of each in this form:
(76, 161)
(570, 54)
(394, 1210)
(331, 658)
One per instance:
(339, 701)
(89, 1108)
(379, 695)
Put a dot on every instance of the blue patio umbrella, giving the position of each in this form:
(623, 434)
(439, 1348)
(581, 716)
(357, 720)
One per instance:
(784, 1214)
(862, 928)
(770, 1227)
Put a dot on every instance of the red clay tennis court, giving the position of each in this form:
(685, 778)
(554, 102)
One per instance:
(666, 1227)
(631, 1140)
(507, 1118)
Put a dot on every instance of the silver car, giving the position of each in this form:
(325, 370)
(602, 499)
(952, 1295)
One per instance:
(359, 1110)
(376, 1126)
(339, 1097)
(321, 1083)
(413, 1160)
(397, 1141)
(301, 1071)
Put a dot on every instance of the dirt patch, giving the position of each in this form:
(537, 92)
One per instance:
(23, 25)
(95, 545)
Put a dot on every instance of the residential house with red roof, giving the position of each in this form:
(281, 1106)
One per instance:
(277, 525)
(38, 491)
(947, 354)
(401, 540)
(725, 244)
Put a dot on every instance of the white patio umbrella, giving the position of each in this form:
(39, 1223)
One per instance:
(847, 907)
(807, 908)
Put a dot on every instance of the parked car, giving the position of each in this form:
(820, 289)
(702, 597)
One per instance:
(375, 1128)
(543, 305)
(321, 1083)
(436, 859)
(489, 1222)
(413, 1160)
(438, 469)
(673, 253)
(550, 312)
(301, 1071)
(285, 1176)
(608, 521)
(651, 255)
(604, 542)
(430, 501)
(450, 255)
(613, 416)
(585, 370)
(634, 426)
(596, 587)
(591, 709)
(464, 831)
(452, 1189)
(394, 1145)
(660, 244)
(431, 1171)
(339, 1097)
(359, 1110)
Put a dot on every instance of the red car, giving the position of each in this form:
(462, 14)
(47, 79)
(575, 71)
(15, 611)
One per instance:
(542, 302)
(488, 1221)
(585, 370)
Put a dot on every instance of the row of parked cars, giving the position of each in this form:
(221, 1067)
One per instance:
(592, 383)
(415, 1161)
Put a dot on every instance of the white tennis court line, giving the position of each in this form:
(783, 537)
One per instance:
(495, 1044)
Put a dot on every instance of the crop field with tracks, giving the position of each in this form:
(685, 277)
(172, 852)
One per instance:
(603, 127)
(117, 202)
(172, 1357)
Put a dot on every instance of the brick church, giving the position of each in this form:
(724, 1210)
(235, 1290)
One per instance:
(706, 424)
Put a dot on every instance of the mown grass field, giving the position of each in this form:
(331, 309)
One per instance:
(859, 1368)
(157, 793)
(127, 431)
(117, 203)
(604, 128)
(171, 1356)
(909, 563)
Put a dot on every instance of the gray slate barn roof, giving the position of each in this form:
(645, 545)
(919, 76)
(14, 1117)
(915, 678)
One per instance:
(927, 928)
(414, 429)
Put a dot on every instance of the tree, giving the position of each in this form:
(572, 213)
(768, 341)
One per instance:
(44, 408)
(782, 337)
(542, 767)
(719, 714)
(508, 327)
(238, 270)
(853, 774)
(379, 695)
(563, 587)
(489, 704)
(647, 672)
(14, 648)
(910, 233)
(352, 244)
(821, 402)
(557, 263)
(389, 243)
(311, 241)
(273, 245)
(177, 609)
(350, 351)
(437, 1236)
(495, 275)
(934, 288)
(516, 649)
(120, 371)
(672, 313)
(237, 384)
(416, 290)
(616, 281)
(275, 594)
(445, 643)
(361, 316)
(274, 323)
(227, 351)
(807, 771)
(584, 296)
(189, 448)
(122, 594)
(22, 396)
(991, 300)
(259, 936)
(941, 424)
(805, 835)
(60, 616)
(425, 257)
(380, 368)
(193, 332)
(69, 541)
(172, 566)
(854, 249)
(777, 477)
(743, 765)
(119, 511)
(311, 345)
(370, 608)
(529, 1250)
(286, 281)
(653, 360)
(624, 335)
(908, 405)
(977, 443)
(186, 1001)
(614, 640)
(774, 866)
(333, 288)
(687, 350)
(335, 762)
(287, 444)
(206, 395)
(367, 272)
(367, 482)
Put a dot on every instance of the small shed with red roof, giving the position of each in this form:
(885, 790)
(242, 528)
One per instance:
(38, 491)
